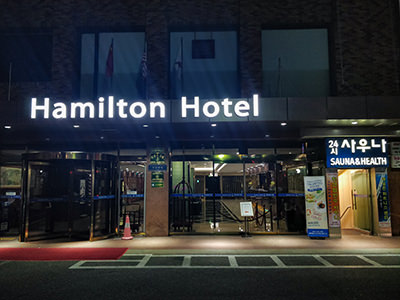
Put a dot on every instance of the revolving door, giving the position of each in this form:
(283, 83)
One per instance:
(70, 195)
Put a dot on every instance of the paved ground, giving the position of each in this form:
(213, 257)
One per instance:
(257, 244)
(214, 267)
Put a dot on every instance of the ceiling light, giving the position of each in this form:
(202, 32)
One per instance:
(7, 126)
(145, 125)
(76, 126)
(283, 124)
(213, 125)
(354, 122)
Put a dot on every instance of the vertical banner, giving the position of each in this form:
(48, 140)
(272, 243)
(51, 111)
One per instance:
(332, 195)
(316, 216)
(382, 195)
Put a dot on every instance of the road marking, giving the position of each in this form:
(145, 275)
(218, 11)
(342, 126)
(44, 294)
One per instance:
(144, 260)
(278, 262)
(233, 263)
(323, 261)
(186, 261)
(370, 261)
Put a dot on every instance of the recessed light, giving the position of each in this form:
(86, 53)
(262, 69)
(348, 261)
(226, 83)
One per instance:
(354, 122)
(157, 136)
(76, 126)
(102, 137)
(7, 126)
(145, 125)
(267, 135)
(283, 124)
(213, 125)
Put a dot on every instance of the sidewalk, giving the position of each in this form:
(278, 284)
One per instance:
(218, 244)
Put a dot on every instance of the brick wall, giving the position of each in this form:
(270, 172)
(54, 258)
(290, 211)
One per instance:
(365, 35)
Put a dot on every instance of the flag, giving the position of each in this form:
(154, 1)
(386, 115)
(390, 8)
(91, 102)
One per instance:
(178, 71)
(110, 61)
(141, 82)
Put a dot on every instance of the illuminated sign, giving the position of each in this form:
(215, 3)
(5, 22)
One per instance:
(356, 152)
(110, 108)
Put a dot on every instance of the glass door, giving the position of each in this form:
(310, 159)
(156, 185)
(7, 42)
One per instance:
(361, 196)
(73, 198)
(207, 192)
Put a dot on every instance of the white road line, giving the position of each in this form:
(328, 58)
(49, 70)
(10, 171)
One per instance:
(186, 261)
(278, 262)
(370, 261)
(323, 261)
(144, 261)
(78, 264)
(232, 261)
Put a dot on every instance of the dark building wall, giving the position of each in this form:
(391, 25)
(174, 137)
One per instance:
(364, 36)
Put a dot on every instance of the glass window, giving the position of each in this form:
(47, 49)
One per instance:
(112, 64)
(295, 63)
(204, 64)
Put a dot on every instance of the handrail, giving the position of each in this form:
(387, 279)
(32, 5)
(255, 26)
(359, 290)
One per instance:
(345, 212)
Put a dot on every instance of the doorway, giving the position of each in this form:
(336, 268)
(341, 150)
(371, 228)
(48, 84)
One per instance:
(68, 195)
(355, 199)
(206, 192)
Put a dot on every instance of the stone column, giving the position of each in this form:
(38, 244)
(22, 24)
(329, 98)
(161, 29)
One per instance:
(157, 197)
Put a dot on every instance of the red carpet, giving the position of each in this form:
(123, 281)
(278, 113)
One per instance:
(61, 253)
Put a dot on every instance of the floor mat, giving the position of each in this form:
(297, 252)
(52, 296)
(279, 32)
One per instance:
(33, 254)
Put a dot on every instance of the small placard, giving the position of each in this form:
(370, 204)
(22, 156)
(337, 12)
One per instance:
(246, 209)
(158, 167)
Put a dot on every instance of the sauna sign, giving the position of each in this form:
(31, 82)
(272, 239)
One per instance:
(110, 108)
(356, 152)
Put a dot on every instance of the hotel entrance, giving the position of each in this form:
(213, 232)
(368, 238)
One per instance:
(69, 195)
(206, 192)
(355, 199)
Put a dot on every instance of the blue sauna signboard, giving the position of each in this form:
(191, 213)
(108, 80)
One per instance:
(356, 152)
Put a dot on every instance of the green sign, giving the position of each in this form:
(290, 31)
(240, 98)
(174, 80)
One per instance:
(157, 157)
(157, 179)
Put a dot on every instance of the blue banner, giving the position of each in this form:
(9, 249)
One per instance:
(382, 194)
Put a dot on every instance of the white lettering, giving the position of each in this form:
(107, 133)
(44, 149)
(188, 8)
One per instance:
(255, 106)
(110, 107)
(153, 106)
(207, 112)
(194, 106)
(44, 107)
(242, 108)
(141, 106)
(226, 104)
(82, 108)
(121, 108)
(101, 107)
(60, 111)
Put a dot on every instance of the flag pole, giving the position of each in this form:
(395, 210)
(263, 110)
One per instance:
(145, 77)
(182, 85)
(9, 82)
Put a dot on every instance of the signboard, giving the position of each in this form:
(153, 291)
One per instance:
(246, 209)
(316, 216)
(157, 157)
(395, 161)
(382, 194)
(356, 152)
(111, 108)
(157, 179)
(332, 195)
